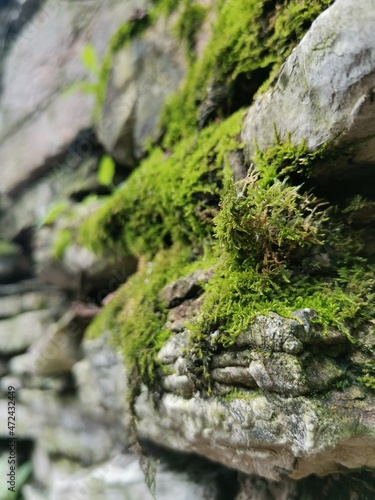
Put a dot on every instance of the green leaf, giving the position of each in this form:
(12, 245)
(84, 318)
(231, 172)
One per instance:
(89, 59)
(53, 213)
(23, 474)
(106, 171)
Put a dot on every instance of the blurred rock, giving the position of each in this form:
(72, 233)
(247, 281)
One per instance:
(144, 73)
(324, 94)
(36, 114)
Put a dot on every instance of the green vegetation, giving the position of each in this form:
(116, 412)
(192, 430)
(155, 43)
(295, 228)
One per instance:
(136, 315)
(63, 239)
(171, 197)
(249, 42)
(188, 24)
(277, 247)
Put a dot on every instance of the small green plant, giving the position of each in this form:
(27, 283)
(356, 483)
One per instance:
(90, 62)
(106, 171)
(269, 227)
(64, 238)
(55, 210)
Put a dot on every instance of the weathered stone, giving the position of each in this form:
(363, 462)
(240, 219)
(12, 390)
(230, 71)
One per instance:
(232, 358)
(101, 377)
(179, 384)
(75, 175)
(174, 347)
(180, 315)
(12, 305)
(233, 375)
(54, 353)
(324, 93)
(20, 332)
(35, 112)
(184, 288)
(267, 435)
(122, 478)
(322, 372)
(281, 373)
(144, 73)
(287, 374)
(316, 335)
(274, 333)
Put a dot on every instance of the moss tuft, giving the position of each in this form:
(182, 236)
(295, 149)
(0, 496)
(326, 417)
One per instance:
(188, 24)
(172, 197)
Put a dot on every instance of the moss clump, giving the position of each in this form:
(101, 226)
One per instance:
(136, 315)
(267, 227)
(249, 42)
(171, 197)
(282, 249)
(188, 24)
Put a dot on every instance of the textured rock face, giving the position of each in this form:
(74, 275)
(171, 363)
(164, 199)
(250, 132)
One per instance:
(145, 72)
(324, 91)
(35, 113)
(274, 425)
(240, 397)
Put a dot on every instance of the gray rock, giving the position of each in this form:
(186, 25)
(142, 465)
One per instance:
(35, 112)
(324, 92)
(174, 347)
(75, 173)
(268, 435)
(12, 305)
(55, 352)
(179, 384)
(121, 478)
(19, 333)
(236, 375)
(274, 333)
(232, 358)
(184, 288)
(279, 372)
(144, 73)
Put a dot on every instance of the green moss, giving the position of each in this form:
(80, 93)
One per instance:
(267, 227)
(169, 198)
(250, 40)
(187, 25)
(368, 374)
(282, 249)
(136, 315)
(63, 239)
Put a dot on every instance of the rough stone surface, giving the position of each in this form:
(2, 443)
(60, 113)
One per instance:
(122, 478)
(270, 436)
(144, 73)
(274, 333)
(20, 332)
(234, 375)
(55, 352)
(324, 92)
(184, 288)
(35, 113)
